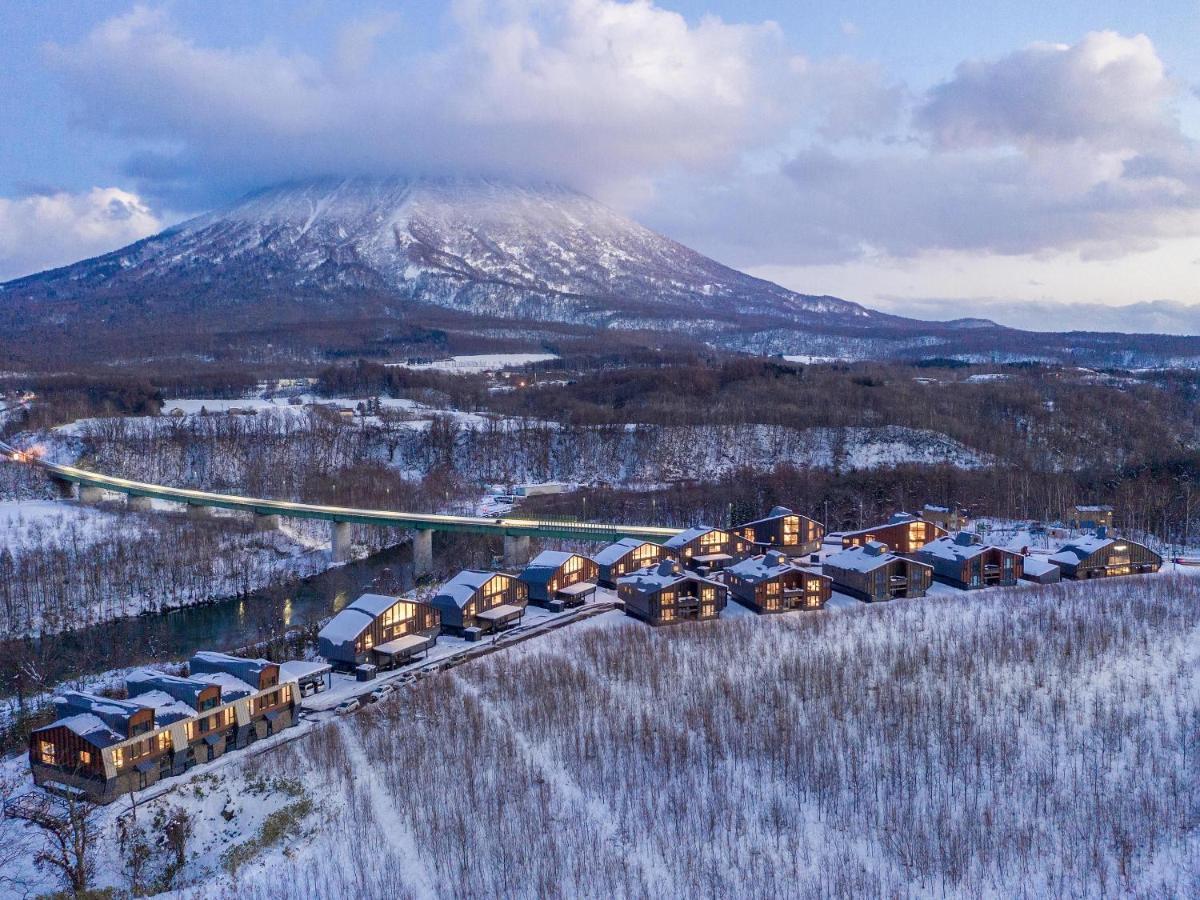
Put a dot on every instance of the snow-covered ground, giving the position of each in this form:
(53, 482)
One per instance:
(484, 362)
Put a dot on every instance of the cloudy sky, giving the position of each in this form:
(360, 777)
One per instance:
(1039, 166)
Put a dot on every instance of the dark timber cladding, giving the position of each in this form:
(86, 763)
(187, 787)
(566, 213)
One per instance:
(556, 579)
(626, 556)
(667, 594)
(383, 630)
(903, 533)
(785, 531)
(872, 573)
(708, 549)
(1100, 556)
(771, 584)
(488, 601)
(964, 561)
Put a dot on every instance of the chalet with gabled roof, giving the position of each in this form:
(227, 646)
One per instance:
(706, 550)
(965, 561)
(784, 531)
(556, 579)
(903, 533)
(771, 584)
(383, 630)
(626, 556)
(474, 603)
(270, 705)
(668, 594)
(1100, 556)
(871, 572)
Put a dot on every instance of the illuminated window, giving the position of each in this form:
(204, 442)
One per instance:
(667, 614)
(711, 540)
(772, 588)
(368, 641)
(47, 753)
(118, 757)
(164, 740)
(748, 533)
(85, 757)
(708, 593)
(791, 530)
(707, 610)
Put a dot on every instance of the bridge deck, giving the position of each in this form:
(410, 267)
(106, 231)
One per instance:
(514, 527)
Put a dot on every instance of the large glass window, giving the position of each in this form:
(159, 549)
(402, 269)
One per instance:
(118, 757)
(48, 754)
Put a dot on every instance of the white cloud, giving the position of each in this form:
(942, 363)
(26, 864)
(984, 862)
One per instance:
(590, 92)
(46, 230)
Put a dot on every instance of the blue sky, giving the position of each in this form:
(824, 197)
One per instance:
(929, 158)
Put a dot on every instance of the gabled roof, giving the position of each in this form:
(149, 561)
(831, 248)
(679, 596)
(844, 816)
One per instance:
(232, 687)
(1080, 548)
(777, 512)
(762, 568)
(686, 537)
(462, 587)
(185, 690)
(374, 604)
(353, 620)
(114, 713)
(166, 708)
(91, 728)
(867, 558)
(1037, 566)
(900, 518)
(545, 565)
(248, 670)
(614, 552)
(962, 546)
(664, 575)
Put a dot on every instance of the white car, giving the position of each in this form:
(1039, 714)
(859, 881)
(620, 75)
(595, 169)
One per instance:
(347, 706)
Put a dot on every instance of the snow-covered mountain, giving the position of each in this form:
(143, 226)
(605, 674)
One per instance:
(483, 247)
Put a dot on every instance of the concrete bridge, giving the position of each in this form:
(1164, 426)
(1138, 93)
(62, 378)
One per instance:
(268, 513)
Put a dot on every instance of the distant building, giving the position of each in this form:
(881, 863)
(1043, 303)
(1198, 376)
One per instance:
(382, 630)
(965, 561)
(771, 584)
(784, 531)
(539, 488)
(626, 556)
(871, 572)
(556, 579)
(950, 518)
(476, 603)
(707, 549)
(1100, 556)
(1090, 517)
(667, 595)
(903, 533)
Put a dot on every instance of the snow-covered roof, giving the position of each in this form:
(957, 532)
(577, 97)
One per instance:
(166, 708)
(232, 687)
(91, 728)
(1037, 566)
(186, 690)
(1093, 508)
(462, 587)
(374, 604)
(655, 578)
(1080, 548)
(962, 546)
(346, 626)
(686, 537)
(613, 552)
(248, 670)
(757, 569)
(544, 566)
(929, 507)
(114, 713)
(867, 558)
(899, 518)
(295, 669)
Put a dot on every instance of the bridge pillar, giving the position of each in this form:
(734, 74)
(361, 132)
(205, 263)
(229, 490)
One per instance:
(267, 523)
(64, 489)
(516, 550)
(339, 541)
(139, 504)
(90, 496)
(195, 511)
(422, 544)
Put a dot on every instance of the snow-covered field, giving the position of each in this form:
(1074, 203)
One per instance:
(1029, 743)
(484, 362)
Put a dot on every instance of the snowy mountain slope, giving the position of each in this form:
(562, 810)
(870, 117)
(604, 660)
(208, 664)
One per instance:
(478, 246)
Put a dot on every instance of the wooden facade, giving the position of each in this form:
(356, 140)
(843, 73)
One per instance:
(707, 550)
(556, 579)
(1099, 556)
(771, 584)
(382, 630)
(964, 561)
(950, 518)
(105, 748)
(903, 533)
(668, 595)
(487, 601)
(784, 531)
(1089, 516)
(626, 557)
(872, 573)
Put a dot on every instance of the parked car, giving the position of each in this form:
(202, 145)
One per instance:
(380, 692)
(347, 706)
